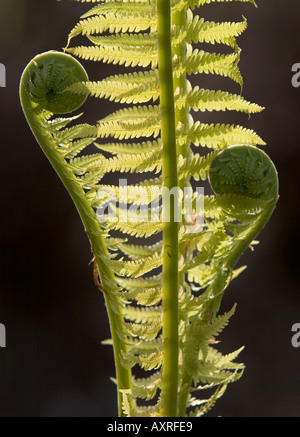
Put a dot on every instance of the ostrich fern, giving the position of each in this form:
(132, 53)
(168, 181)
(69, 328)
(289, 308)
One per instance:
(162, 298)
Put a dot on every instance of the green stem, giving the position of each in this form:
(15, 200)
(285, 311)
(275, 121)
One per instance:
(170, 228)
(179, 19)
(241, 244)
(92, 229)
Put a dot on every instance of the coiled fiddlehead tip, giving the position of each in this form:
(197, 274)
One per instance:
(244, 170)
(46, 78)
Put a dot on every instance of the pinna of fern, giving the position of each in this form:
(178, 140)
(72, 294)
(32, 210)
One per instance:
(162, 296)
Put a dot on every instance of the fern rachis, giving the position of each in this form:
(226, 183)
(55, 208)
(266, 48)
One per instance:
(162, 299)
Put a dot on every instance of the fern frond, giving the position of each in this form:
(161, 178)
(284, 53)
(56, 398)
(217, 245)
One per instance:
(133, 122)
(140, 251)
(73, 133)
(116, 7)
(197, 3)
(122, 163)
(126, 22)
(143, 331)
(128, 55)
(142, 296)
(142, 347)
(125, 40)
(137, 87)
(197, 166)
(130, 194)
(133, 148)
(146, 282)
(206, 100)
(209, 403)
(218, 136)
(197, 61)
(134, 268)
(137, 229)
(215, 327)
(198, 30)
(56, 124)
(146, 388)
(142, 314)
(151, 361)
(218, 368)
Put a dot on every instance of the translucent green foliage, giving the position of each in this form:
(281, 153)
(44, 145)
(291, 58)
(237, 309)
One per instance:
(211, 240)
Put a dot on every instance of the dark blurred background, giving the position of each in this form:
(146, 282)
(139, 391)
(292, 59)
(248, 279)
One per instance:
(54, 364)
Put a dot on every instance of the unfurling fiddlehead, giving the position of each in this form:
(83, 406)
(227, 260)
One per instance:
(47, 77)
(163, 298)
(244, 174)
(43, 92)
(246, 171)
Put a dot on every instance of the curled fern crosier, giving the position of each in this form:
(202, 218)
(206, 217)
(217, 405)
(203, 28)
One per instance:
(162, 296)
